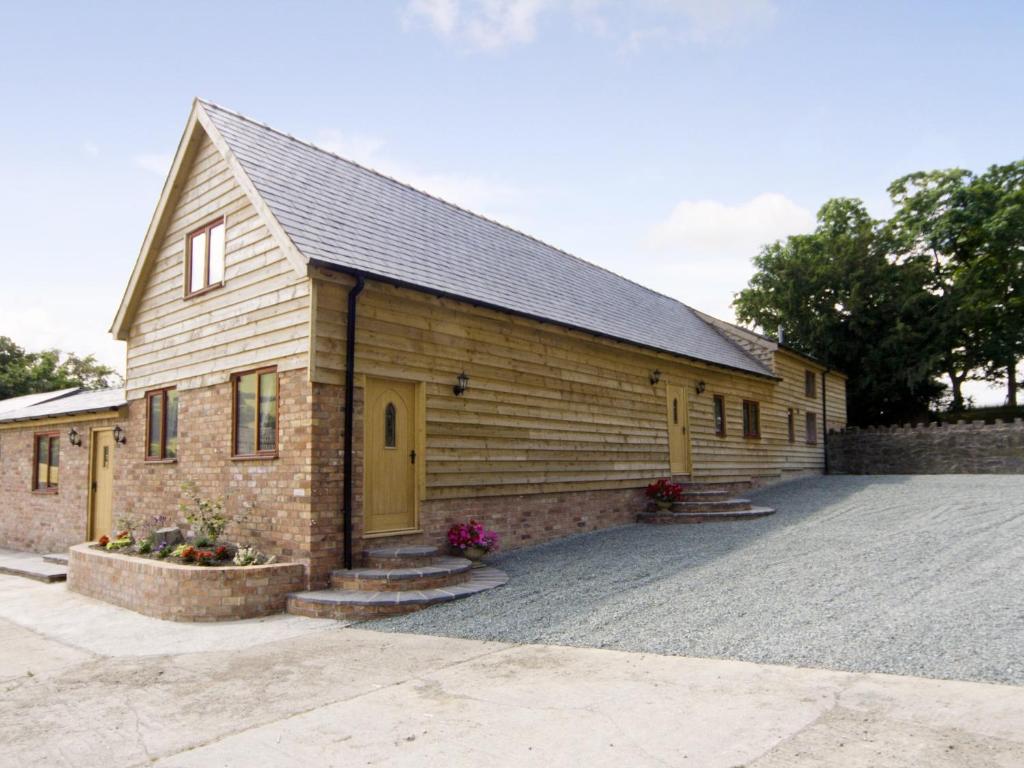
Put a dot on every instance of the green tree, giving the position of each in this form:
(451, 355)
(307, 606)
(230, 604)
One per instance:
(842, 300)
(23, 373)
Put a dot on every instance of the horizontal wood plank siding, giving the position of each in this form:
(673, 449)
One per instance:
(547, 409)
(259, 316)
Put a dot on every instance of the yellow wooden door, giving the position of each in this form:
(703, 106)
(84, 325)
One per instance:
(678, 431)
(389, 496)
(101, 513)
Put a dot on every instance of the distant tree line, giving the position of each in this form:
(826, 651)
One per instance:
(936, 291)
(25, 373)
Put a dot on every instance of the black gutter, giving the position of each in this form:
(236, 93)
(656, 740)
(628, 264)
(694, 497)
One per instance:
(538, 318)
(350, 381)
(824, 415)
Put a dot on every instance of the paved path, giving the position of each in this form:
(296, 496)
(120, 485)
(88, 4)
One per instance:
(905, 575)
(83, 683)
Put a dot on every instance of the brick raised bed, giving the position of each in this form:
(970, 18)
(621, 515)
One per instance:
(183, 592)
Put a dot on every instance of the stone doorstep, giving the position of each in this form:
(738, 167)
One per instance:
(390, 558)
(440, 573)
(725, 505)
(706, 495)
(57, 558)
(354, 603)
(29, 565)
(703, 517)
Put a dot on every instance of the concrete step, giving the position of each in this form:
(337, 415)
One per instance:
(683, 518)
(30, 565)
(710, 495)
(361, 604)
(58, 558)
(399, 557)
(725, 505)
(443, 572)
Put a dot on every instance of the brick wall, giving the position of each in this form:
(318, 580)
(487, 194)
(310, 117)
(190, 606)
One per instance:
(45, 522)
(183, 592)
(933, 449)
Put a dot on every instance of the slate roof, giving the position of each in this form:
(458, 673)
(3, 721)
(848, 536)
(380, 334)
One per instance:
(343, 215)
(82, 401)
(24, 401)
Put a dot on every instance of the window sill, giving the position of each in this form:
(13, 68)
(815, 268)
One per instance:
(751, 437)
(255, 457)
(203, 291)
(160, 461)
(45, 491)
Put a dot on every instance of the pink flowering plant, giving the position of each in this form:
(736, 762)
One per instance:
(664, 490)
(472, 534)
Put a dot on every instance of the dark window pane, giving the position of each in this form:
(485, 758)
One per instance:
(245, 414)
(389, 426)
(171, 426)
(268, 412)
(156, 415)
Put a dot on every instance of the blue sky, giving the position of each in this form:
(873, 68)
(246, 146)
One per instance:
(664, 139)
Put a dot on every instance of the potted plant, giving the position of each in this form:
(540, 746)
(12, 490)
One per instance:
(664, 492)
(472, 540)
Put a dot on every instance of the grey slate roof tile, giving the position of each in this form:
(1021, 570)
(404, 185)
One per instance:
(343, 215)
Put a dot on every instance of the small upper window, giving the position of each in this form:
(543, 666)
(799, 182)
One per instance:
(751, 419)
(204, 258)
(812, 428)
(47, 462)
(810, 384)
(162, 425)
(719, 415)
(255, 413)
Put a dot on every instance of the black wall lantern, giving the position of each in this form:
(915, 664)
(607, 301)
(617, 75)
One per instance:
(119, 437)
(700, 387)
(73, 437)
(655, 376)
(463, 384)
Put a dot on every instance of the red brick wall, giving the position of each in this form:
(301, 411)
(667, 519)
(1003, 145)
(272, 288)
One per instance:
(183, 592)
(45, 522)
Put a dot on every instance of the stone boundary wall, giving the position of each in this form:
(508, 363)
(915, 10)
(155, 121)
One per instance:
(929, 449)
(183, 592)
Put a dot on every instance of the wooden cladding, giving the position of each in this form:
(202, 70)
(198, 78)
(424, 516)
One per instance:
(46, 463)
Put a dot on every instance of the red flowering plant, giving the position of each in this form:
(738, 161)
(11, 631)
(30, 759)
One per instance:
(204, 557)
(664, 491)
(462, 536)
(188, 554)
(221, 552)
(104, 540)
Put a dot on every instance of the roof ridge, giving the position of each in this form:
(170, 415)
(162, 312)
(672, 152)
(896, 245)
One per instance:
(432, 196)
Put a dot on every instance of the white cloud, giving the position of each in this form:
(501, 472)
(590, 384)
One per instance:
(711, 228)
(496, 24)
(471, 192)
(156, 163)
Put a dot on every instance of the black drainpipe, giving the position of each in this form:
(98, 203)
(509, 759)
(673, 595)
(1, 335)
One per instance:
(350, 407)
(824, 415)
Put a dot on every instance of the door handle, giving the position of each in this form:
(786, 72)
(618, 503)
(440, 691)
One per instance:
(412, 456)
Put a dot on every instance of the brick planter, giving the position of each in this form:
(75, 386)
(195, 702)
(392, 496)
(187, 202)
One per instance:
(183, 592)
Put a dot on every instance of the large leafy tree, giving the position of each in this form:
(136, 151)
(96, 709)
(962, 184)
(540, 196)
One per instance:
(23, 373)
(841, 299)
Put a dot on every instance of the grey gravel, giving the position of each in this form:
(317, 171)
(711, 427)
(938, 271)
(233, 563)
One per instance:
(909, 575)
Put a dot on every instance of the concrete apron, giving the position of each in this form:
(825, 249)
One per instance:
(291, 691)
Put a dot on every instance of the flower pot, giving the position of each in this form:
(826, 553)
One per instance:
(475, 554)
(663, 506)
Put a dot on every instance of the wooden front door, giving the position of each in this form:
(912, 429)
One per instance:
(678, 431)
(101, 471)
(389, 420)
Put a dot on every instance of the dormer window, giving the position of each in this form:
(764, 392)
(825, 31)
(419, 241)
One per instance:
(204, 258)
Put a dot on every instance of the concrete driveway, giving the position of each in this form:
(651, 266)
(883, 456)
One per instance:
(911, 575)
(87, 684)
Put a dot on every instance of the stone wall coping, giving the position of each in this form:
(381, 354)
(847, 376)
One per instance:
(88, 548)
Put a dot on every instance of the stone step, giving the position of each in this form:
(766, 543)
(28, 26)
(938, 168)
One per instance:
(58, 558)
(725, 505)
(683, 518)
(715, 495)
(29, 565)
(444, 571)
(412, 556)
(360, 604)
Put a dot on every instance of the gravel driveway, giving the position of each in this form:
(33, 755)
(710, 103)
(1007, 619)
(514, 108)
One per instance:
(911, 575)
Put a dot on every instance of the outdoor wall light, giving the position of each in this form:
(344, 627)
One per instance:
(119, 437)
(73, 437)
(463, 384)
(700, 387)
(655, 376)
